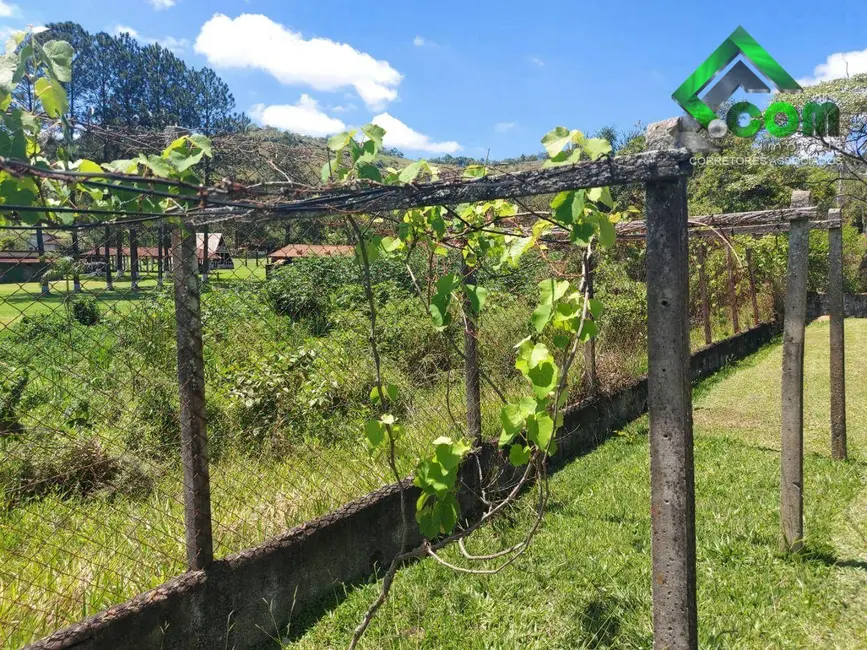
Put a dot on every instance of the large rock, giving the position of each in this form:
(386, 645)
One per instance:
(679, 133)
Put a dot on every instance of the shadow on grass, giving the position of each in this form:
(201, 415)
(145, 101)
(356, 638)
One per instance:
(302, 621)
(823, 556)
(600, 622)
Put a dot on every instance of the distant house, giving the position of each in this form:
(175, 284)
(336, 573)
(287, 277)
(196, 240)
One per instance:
(50, 243)
(21, 266)
(292, 252)
(219, 256)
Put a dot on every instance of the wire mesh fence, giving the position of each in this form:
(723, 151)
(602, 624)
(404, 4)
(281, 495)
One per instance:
(99, 423)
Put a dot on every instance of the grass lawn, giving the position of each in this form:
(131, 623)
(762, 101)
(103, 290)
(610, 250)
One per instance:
(585, 583)
(18, 300)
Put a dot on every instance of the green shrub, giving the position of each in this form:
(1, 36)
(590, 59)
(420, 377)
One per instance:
(68, 467)
(295, 291)
(407, 336)
(29, 328)
(262, 393)
(157, 414)
(13, 382)
(303, 289)
(624, 319)
(85, 311)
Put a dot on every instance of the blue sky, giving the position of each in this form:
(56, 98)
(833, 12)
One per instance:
(465, 77)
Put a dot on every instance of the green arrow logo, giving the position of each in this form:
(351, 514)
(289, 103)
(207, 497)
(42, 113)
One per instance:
(740, 42)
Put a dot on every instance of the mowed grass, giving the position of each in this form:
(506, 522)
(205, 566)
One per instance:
(585, 582)
(26, 299)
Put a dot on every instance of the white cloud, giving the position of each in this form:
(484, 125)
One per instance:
(175, 45)
(535, 60)
(125, 29)
(838, 66)
(344, 108)
(159, 5)
(8, 10)
(256, 41)
(305, 117)
(398, 134)
(421, 41)
(7, 32)
(504, 127)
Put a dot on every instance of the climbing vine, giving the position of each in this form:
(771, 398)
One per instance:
(489, 237)
(49, 184)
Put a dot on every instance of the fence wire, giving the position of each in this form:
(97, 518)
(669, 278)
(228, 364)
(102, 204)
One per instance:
(99, 424)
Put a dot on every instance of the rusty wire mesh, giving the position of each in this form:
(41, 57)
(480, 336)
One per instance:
(94, 401)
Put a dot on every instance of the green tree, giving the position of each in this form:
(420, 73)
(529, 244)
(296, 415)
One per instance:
(848, 151)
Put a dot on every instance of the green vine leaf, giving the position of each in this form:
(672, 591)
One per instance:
(552, 290)
(596, 307)
(568, 207)
(432, 477)
(537, 365)
(58, 55)
(375, 133)
(513, 417)
(477, 295)
(556, 139)
(340, 141)
(449, 453)
(375, 433)
(409, 173)
(607, 233)
(52, 94)
(561, 341)
(540, 430)
(519, 455)
(601, 195)
(429, 522)
(475, 171)
(597, 147)
(11, 72)
(369, 171)
(439, 516)
(449, 510)
(582, 233)
(540, 317)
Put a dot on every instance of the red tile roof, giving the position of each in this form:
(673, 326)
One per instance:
(293, 251)
(143, 252)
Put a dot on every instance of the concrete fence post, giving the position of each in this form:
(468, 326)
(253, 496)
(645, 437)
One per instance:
(471, 361)
(133, 258)
(702, 286)
(733, 291)
(753, 296)
(76, 259)
(161, 239)
(792, 438)
(672, 485)
(40, 248)
(206, 262)
(107, 259)
(590, 375)
(191, 384)
(119, 264)
(836, 310)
